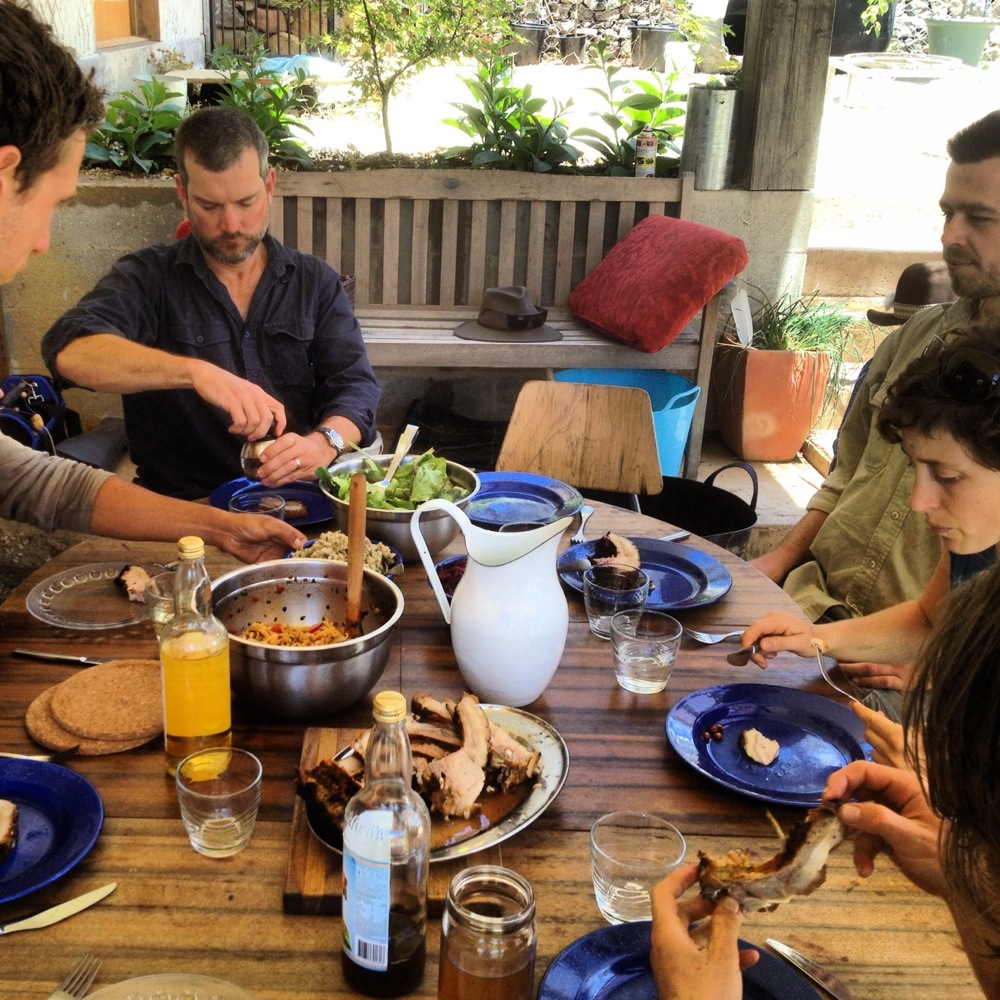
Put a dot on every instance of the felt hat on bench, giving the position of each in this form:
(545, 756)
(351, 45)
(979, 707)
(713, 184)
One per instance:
(919, 286)
(507, 315)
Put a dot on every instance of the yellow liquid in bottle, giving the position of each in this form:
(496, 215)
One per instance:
(196, 699)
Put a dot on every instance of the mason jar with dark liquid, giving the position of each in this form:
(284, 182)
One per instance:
(488, 936)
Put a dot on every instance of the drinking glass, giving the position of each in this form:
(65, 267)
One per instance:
(645, 645)
(258, 502)
(218, 789)
(159, 597)
(629, 853)
(610, 588)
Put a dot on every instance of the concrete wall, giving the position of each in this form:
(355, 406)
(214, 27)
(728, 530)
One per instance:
(183, 25)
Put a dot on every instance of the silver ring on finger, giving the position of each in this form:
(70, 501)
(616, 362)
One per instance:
(298, 463)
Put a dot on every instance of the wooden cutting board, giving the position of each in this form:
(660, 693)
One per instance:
(313, 879)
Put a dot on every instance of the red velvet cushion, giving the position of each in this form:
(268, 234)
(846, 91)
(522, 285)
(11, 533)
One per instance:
(654, 281)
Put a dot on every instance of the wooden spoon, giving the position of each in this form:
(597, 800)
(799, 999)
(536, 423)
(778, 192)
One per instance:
(357, 504)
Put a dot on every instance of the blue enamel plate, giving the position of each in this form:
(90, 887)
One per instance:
(612, 963)
(317, 503)
(510, 497)
(59, 817)
(817, 736)
(679, 576)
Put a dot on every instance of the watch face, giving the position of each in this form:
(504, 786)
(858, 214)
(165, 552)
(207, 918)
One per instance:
(333, 437)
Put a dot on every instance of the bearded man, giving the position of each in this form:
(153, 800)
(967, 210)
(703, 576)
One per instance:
(859, 548)
(223, 335)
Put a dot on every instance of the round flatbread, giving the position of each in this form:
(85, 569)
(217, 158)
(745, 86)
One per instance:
(44, 729)
(117, 700)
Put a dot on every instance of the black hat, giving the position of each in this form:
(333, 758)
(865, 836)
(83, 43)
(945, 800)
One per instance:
(508, 315)
(919, 286)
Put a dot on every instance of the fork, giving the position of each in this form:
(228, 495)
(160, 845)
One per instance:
(49, 758)
(77, 982)
(709, 638)
(821, 660)
(585, 511)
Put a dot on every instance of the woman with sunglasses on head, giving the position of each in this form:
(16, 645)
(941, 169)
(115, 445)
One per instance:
(944, 412)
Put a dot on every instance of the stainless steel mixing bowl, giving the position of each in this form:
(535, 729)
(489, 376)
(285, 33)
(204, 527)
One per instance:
(393, 526)
(304, 682)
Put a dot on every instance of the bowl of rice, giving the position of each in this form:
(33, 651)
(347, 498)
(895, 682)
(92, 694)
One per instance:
(290, 654)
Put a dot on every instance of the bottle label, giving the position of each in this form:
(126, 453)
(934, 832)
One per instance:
(645, 155)
(367, 888)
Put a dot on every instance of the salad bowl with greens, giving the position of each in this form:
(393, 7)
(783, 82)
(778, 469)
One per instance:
(418, 479)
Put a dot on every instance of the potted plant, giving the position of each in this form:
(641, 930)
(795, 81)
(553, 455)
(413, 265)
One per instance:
(165, 63)
(964, 34)
(770, 393)
(530, 26)
(571, 38)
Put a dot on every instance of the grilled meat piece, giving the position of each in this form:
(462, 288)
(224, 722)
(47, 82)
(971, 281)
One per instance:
(796, 870)
(8, 827)
(452, 785)
(509, 764)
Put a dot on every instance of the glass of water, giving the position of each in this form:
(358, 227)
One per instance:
(629, 853)
(159, 598)
(219, 791)
(609, 588)
(645, 645)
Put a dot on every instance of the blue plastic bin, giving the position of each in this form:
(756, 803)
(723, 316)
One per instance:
(672, 396)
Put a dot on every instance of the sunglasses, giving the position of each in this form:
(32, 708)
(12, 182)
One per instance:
(966, 374)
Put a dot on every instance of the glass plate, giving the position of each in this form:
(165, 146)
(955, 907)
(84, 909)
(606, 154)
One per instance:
(612, 963)
(86, 598)
(554, 766)
(59, 817)
(172, 986)
(817, 736)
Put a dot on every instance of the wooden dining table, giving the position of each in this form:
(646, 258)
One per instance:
(177, 911)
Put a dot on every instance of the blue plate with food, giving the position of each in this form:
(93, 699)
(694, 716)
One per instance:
(773, 743)
(679, 576)
(305, 502)
(512, 497)
(612, 963)
(379, 556)
(59, 817)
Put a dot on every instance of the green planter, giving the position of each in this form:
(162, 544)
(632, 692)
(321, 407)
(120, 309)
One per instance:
(964, 37)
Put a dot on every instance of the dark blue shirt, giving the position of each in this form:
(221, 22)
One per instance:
(965, 567)
(300, 342)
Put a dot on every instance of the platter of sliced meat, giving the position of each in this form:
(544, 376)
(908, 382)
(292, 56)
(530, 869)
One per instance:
(485, 771)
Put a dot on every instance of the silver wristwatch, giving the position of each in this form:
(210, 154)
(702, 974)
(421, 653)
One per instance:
(336, 441)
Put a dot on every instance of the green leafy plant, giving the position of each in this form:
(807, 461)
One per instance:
(633, 105)
(386, 41)
(800, 323)
(273, 103)
(137, 134)
(510, 131)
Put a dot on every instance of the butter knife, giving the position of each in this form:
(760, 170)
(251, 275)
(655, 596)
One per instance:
(815, 972)
(80, 661)
(56, 913)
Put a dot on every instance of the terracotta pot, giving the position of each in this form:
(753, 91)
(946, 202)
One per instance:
(767, 401)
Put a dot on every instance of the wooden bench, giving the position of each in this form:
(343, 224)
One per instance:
(422, 246)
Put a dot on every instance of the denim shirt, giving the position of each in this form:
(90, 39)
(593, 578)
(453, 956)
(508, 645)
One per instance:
(300, 342)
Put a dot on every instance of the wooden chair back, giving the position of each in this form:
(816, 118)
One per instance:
(597, 437)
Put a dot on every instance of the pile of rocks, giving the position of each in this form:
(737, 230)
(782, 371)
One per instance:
(287, 31)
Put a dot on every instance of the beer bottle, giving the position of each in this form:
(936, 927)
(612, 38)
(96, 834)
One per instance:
(194, 656)
(387, 830)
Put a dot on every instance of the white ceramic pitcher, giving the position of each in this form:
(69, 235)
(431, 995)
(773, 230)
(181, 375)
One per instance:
(508, 615)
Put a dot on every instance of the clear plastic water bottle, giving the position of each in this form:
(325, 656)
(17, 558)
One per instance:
(194, 656)
(387, 831)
